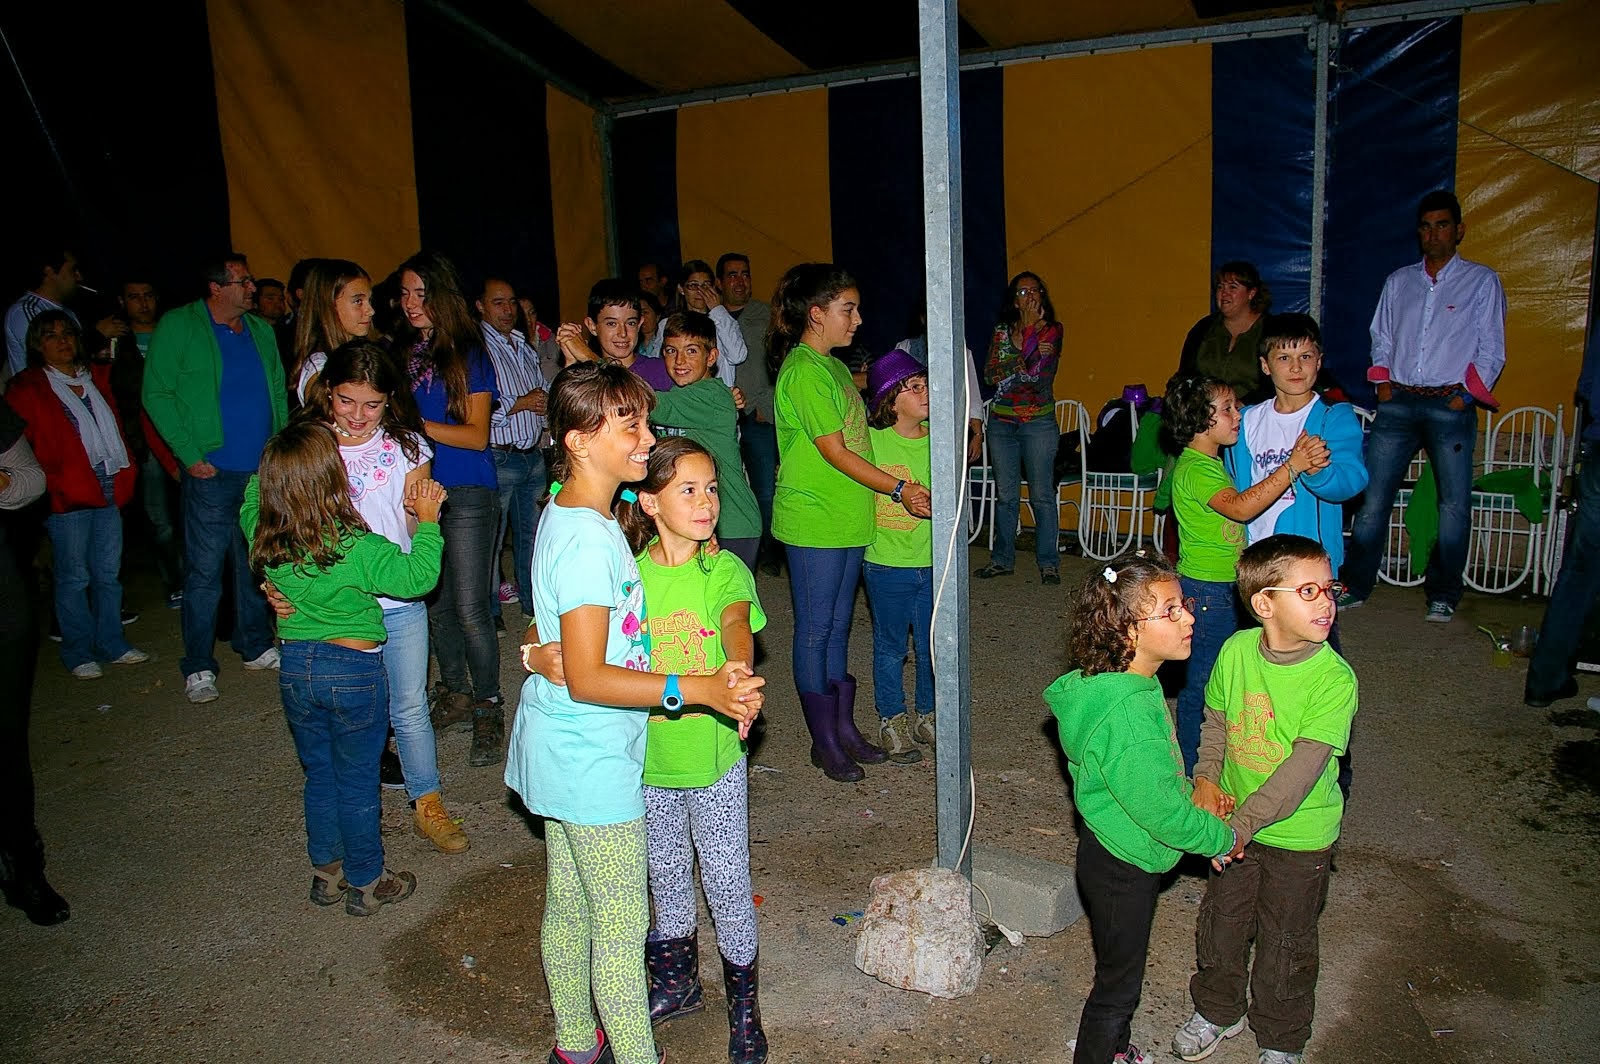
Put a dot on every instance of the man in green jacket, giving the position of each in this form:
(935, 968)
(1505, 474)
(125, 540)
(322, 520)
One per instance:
(213, 386)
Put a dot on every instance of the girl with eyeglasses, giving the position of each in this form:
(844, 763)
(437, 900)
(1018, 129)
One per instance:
(1138, 811)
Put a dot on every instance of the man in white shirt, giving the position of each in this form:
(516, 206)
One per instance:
(516, 425)
(59, 277)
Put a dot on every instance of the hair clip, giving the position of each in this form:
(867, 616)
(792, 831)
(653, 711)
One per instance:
(555, 488)
(1141, 554)
(629, 495)
(1110, 574)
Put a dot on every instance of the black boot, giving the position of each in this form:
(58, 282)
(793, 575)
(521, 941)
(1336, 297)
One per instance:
(22, 879)
(851, 741)
(674, 968)
(747, 1042)
(821, 712)
(488, 734)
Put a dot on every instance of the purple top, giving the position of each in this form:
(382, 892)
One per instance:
(653, 371)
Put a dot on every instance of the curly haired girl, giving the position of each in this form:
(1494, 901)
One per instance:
(1128, 782)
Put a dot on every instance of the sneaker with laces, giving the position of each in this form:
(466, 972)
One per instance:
(267, 659)
(1348, 601)
(391, 775)
(387, 889)
(1049, 575)
(1132, 1055)
(1440, 613)
(131, 656)
(990, 571)
(894, 735)
(508, 592)
(923, 731)
(1278, 1056)
(89, 670)
(201, 687)
(431, 821)
(1198, 1038)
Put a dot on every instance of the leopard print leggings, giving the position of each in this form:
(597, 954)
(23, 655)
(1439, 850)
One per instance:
(595, 907)
(714, 822)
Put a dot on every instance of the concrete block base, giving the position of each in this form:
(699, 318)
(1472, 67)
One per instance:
(1030, 895)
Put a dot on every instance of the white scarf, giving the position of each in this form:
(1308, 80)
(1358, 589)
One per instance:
(97, 426)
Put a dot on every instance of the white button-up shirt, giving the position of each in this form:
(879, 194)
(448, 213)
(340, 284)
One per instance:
(1427, 331)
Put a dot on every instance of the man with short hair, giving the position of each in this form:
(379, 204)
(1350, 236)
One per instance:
(213, 386)
(58, 278)
(516, 425)
(1438, 346)
(758, 432)
(653, 282)
(272, 300)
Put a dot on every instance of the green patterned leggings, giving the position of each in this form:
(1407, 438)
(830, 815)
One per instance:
(596, 916)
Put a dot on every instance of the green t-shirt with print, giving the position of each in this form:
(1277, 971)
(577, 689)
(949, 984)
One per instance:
(901, 540)
(1268, 707)
(693, 747)
(704, 412)
(814, 504)
(1209, 544)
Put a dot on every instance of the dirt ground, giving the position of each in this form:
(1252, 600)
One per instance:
(1461, 926)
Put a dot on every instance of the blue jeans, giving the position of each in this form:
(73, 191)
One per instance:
(1576, 586)
(405, 663)
(1403, 424)
(458, 612)
(337, 704)
(522, 481)
(212, 540)
(87, 545)
(901, 599)
(823, 582)
(758, 440)
(1018, 449)
(1216, 617)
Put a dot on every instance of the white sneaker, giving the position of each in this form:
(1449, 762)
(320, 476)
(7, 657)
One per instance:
(131, 656)
(89, 670)
(1131, 1055)
(269, 659)
(1199, 1037)
(1278, 1056)
(201, 687)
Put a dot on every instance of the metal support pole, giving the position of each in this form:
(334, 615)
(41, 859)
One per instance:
(947, 379)
(604, 126)
(1322, 40)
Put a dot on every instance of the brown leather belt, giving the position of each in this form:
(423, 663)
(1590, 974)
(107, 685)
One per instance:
(513, 448)
(1443, 391)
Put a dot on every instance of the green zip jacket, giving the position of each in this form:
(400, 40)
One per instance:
(1127, 773)
(183, 373)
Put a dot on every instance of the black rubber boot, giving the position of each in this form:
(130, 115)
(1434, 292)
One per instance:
(22, 880)
(747, 1042)
(821, 712)
(674, 968)
(851, 741)
(488, 734)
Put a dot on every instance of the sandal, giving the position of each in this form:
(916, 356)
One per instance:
(328, 888)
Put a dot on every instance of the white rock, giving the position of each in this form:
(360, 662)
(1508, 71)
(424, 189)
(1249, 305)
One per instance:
(918, 933)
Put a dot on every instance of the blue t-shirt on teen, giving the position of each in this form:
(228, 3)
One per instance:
(569, 760)
(458, 467)
(242, 396)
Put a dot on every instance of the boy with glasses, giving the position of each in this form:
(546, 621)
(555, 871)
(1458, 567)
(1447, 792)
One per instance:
(1278, 710)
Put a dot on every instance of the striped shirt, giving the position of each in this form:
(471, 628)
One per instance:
(516, 369)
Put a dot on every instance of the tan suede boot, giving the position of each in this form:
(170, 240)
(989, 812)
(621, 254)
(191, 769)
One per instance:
(433, 823)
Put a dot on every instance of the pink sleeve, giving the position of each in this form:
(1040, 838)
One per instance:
(1378, 375)
(1479, 390)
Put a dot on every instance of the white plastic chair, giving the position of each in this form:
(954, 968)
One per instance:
(1114, 508)
(1560, 519)
(982, 493)
(1505, 548)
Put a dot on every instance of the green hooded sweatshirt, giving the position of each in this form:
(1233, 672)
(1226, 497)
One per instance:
(1127, 773)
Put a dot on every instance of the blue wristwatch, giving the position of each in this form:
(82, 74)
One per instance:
(671, 697)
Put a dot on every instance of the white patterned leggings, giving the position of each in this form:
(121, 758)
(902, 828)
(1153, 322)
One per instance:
(713, 822)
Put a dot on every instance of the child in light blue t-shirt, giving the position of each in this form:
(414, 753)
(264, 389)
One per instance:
(576, 754)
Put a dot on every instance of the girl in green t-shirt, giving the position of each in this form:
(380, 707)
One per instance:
(1200, 416)
(703, 612)
(822, 509)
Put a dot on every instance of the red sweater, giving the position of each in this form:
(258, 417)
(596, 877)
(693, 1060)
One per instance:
(68, 476)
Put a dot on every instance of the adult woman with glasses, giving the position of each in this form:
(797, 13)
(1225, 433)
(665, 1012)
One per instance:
(77, 437)
(1023, 436)
(700, 292)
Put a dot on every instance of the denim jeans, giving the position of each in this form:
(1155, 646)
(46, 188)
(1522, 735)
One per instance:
(823, 582)
(901, 600)
(758, 440)
(1216, 617)
(522, 481)
(1576, 586)
(1403, 424)
(337, 703)
(87, 545)
(458, 612)
(405, 663)
(155, 500)
(212, 539)
(1018, 449)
